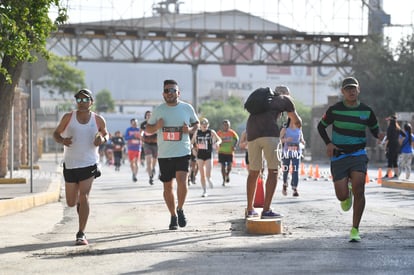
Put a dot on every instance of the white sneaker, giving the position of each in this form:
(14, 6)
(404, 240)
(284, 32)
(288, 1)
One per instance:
(204, 194)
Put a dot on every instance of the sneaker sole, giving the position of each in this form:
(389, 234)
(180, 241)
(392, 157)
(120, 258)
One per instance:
(82, 242)
(268, 218)
(271, 217)
(182, 221)
(256, 215)
(182, 224)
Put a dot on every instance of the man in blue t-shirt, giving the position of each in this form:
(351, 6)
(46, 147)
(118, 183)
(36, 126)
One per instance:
(173, 121)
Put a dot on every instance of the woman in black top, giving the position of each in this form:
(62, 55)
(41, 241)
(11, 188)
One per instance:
(203, 142)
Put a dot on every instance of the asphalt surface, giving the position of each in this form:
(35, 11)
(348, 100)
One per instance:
(128, 229)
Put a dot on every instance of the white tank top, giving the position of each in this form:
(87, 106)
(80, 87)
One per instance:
(82, 152)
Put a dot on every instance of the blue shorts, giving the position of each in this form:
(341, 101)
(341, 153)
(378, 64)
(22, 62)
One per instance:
(169, 166)
(343, 167)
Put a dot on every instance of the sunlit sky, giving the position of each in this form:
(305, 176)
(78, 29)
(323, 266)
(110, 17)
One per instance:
(312, 16)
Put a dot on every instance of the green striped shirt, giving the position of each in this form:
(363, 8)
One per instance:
(349, 124)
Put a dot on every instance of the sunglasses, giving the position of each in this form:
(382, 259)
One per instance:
(83, 99)
(170, 90)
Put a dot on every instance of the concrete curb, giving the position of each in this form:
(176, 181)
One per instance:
(19, 204)
(13, 181)
(399, 184)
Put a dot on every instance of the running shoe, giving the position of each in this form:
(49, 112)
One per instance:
(347, 204)
(252, 214)
(295, 193)
(182, 221)
(354, 237)
(173, 223)
(81, 238)
(204, 194)
(134, 178)
(270, 215)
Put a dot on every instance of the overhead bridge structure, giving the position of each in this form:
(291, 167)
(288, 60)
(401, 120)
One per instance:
(224, 38)
(179, 39)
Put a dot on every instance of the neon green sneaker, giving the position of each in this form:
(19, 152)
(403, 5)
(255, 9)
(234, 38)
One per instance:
(347, 204)
(354, 237)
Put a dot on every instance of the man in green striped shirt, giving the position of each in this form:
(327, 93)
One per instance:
(346, 148)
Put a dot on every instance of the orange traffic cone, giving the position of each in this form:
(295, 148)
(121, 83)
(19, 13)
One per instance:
(389, 174)
(302, 169)
(310, 171)
(234, 164)
(243, 163)
(215, 162)
(379, 179)
(366, 178)
(259, 197)
(317, 174)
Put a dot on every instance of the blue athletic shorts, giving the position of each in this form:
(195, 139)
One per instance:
(343, 167)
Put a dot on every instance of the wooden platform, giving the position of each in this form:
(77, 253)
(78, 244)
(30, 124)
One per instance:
(400, 184)
(263, 226)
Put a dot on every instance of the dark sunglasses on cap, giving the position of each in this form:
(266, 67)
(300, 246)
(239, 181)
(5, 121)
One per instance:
(170, 90)
(83, 99)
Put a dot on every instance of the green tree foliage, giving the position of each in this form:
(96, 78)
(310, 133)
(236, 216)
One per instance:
(232, 109)
(104, 101)
(61, 77)
(385, 75)
(24, 28)
(217, 110)
(305, 113)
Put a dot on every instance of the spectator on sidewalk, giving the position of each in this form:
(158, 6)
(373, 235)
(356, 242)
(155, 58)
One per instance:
(406, 157)
(263, 137)
(81, 132)
(392, 146)
(291, 137)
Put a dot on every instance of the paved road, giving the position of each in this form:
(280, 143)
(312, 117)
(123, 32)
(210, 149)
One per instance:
(128, 233)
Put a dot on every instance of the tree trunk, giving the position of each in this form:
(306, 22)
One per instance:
(7, 95)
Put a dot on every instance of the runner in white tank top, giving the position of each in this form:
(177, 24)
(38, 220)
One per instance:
(81, 132)
(85, 153)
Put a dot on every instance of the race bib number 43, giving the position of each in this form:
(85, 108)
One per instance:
(172, 133)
